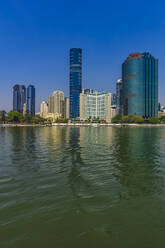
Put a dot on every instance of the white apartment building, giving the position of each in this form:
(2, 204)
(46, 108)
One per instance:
(44, 109)
(96, 105)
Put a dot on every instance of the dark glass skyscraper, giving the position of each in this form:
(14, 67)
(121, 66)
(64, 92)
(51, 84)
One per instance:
(140, 85)
(31, 100)
(75, 81)
(19, 97)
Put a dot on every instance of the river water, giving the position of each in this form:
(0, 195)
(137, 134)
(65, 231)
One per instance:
(76, 187)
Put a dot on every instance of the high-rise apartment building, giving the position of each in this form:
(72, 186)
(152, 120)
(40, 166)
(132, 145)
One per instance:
(56, 103)
(96, 105)
(31, 100)
(51, 104)
(140, 85)
(66, 108)
(119, 97)
(75, 80)
(44, 109)
(19, 97)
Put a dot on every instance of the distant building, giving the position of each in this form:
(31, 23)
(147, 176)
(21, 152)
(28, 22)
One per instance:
(114, 99)
(113, 111)
(25, 109)
(161, 114)
(66, 108)
(51, 104)
(96, 105)
(44, 109)
(140, 85)
(53, 116)
(119, 97)
(2, 115)
(31, 100)
(86, 91)
(75, 80)
(19, 97)
(56, 103)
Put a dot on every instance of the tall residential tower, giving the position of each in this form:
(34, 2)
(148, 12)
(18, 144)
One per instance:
(75, 81)
(19, 97)
(56, 103)
(140, 85)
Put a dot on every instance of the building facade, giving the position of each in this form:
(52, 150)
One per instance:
(119, 97)
(44, 109)
(51, 104)
(66, 108)
(75, 81)
(19, 97)
(25, 109)
(140, 85)
(95, 105)
(31, 100)
(56, 103)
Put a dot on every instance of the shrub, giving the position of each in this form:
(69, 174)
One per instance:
(153, 120)
(117, 119)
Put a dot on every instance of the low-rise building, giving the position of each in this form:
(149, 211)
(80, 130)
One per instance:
(53, 116)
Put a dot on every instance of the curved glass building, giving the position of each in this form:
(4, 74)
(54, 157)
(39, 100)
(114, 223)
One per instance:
(140, 85)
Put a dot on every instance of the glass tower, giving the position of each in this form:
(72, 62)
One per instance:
(31, 100)
(140, 85)
(75, 81)
(19, 97)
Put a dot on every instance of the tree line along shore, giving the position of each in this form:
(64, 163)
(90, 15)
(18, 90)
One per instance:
(14, 117)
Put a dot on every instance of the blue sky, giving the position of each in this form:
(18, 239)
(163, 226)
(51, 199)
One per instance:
(36, 36)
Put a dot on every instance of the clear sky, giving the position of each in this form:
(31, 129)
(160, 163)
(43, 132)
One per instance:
(36, 35)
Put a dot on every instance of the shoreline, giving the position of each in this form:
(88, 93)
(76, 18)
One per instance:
(84, 125)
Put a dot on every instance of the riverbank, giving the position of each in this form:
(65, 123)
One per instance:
(84, 125)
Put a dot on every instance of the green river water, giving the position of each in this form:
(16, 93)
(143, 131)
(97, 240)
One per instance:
(77, 187)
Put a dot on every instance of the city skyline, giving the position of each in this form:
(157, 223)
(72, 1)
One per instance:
(36, 41)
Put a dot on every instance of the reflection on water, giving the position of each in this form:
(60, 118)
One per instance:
(82, 187)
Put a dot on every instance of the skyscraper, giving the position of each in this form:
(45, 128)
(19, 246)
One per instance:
(119, 96)
(140, 85)
(31, 100)
(75, 80)
(19, 97)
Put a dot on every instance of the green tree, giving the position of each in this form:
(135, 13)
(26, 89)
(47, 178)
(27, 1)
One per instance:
(117, 119)
(15, 117)
(38, 120)
(153, 120)
(132, 119)
(162, 119)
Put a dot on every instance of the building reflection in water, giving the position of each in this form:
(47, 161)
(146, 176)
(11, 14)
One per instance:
(136, 161)
(24, 151)
(77, 180)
